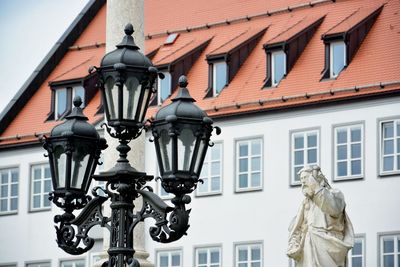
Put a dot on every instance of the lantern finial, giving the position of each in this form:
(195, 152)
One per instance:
(129, 29)
(77, 101)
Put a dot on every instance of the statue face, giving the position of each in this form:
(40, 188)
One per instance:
(308, 184)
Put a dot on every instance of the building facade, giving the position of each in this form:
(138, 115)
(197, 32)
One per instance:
(290, 84)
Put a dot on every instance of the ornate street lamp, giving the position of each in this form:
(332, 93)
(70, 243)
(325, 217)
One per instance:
(181, 132)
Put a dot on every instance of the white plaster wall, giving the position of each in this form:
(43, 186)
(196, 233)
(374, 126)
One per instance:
(30, 236)
(372, 203)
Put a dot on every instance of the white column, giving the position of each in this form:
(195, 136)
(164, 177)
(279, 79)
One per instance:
(120, 13)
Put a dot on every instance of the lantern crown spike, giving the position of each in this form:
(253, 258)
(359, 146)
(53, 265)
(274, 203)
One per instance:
(183, 93)
(76, 112)
(128, 41)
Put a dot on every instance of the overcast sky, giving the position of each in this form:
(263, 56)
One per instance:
(28, 30)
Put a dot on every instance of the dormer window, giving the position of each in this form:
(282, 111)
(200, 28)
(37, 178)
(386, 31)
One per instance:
(278, 66)
(219, 76)
(62, 100)
(337, 58)
(163, 87)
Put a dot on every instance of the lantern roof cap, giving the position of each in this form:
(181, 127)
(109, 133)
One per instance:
(75, 124)
(127, 52)
(182, 106)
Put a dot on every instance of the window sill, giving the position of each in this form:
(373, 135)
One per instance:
(248, 190)
(6, 213)
(389, 174)
(348, 178)
(208, 194)
(39, 209)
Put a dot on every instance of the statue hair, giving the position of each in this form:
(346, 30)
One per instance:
(315, 171)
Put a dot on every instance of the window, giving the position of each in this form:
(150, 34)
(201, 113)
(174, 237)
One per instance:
(390, 147)
(348, 151)
(164, 87)
(249, 165)
(73, 263)
(220, 79)
(39, 264)
(304, 152)
(169, 258)
(337, 58)
(356, 254)
(63, 102)
(390, 251)
(278, 66)
(248, 255)
(211, 172)
(292, 263)
(40, 187)
(208, 257)
(9, 190)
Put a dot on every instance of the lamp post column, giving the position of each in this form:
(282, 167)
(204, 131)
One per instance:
(119, 14)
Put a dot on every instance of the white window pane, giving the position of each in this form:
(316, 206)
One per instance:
(295, 173)
(398, 145)
(203, 187)
(3, 204)
(47, 186)
(356, 151)
(298, 157)
(37, 174)
(357, 249)
(4, 190)
(256, 147)
(46, 201)
(243, 150)
(338, 61)
(176, 260)
(4, 178)
(215, 184)
(202, 257)
(37, 187)
(79, 91)
(342, 152)
(243, 181)
(312, 156)
(388, 130)
(355, 167)
(388, 245)
(14, 204)
(214, 256)
(14, 190)
(163, 261)
(242, 254)
(388, 261)
(355, 135)
(255, 179)
(242, 265)
(220, 76)
(255, 254)
(255, 264)
(388, 147)
(36, 201)
(61, 102)
(388, 163)
(14, 176)
(216, 152)
(312, 140)
(164, 88)
(256, 164)
(342, 169)
(356, 262)
(298, 142)
(215, 168)
(278, 66)
(243, 165)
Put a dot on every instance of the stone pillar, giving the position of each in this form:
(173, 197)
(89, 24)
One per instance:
(120, 13)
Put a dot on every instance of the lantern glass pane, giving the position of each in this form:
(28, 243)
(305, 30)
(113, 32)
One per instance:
(80, 163)
(111, 91)
(186, 142)
(144, 104)
(166, 150)
(199, 159)
(60, 162)
(131, 91)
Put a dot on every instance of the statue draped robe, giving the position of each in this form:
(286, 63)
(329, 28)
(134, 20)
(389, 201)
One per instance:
(321, 234)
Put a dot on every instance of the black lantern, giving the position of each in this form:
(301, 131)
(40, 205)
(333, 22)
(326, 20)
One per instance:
(127, 77)
(73, 150)
(181, 132)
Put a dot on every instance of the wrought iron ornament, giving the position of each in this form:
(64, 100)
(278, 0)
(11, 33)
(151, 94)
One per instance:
(181, 133)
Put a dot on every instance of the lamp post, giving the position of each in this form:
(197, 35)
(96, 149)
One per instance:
(181, 133)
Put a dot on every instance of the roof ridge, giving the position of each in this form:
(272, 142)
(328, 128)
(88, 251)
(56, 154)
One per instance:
(343, 20)
(230, 40)
(244, 18)
(173, 52)
(287, 29)
(73, 68)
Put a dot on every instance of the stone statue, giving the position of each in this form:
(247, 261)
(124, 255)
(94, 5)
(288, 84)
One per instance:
(321, 234)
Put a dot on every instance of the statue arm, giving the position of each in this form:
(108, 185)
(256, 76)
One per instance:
(330, 201)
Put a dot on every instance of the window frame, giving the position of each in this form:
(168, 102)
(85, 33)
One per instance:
(349, 127)
(38, 263)
(396, 237)
(249, 188)
(42, 166)
(73, 260)
(208, 160)
(159, 87)
(292, 180)
(209, 248)
(272, 66)
(9, 170)
(394, 172)
(248, 246)
(169, 251)
(56, 96)
(70, 89)
(214, 77)
(363, 250)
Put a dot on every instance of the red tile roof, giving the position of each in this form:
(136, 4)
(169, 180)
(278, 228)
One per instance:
(376, 62)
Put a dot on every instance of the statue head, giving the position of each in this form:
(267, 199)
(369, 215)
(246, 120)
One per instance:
(311, 179)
